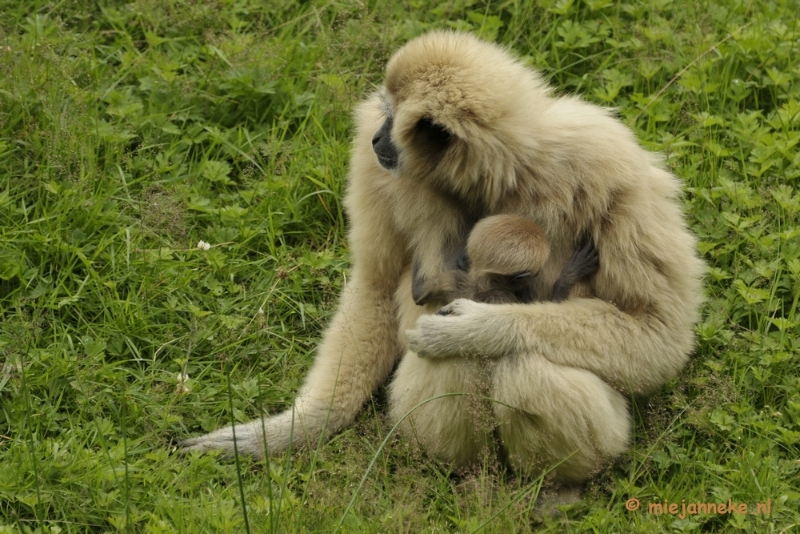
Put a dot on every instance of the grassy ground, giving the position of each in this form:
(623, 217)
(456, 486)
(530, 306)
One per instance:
(129, 132)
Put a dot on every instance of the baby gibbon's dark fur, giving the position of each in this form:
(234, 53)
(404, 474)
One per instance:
(504, 255)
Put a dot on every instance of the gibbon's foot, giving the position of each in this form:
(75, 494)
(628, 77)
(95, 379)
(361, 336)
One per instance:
(249, 440)
(453, 331)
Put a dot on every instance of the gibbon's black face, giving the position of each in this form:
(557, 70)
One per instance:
(384, 147)
(429, 137)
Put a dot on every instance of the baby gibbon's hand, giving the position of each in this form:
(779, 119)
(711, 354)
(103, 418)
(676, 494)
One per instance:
(455, 330)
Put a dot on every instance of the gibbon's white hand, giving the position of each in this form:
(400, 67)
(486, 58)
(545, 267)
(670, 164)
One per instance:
(458, 329)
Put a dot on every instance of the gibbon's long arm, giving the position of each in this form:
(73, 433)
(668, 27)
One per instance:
(360, 346)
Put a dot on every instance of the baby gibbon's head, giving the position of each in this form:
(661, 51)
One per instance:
(459, 111)
(507, 245)
(505, 253)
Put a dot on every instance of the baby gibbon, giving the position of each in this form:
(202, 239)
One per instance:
(504, 255)
(462, 130)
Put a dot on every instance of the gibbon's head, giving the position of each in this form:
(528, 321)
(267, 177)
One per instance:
(458, 114)
(510, 246)
(506, 253)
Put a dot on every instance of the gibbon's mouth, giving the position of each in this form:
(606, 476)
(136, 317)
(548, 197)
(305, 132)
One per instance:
(386, 161)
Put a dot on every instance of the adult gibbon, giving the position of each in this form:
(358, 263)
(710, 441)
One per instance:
(504, 255)
(461, 131)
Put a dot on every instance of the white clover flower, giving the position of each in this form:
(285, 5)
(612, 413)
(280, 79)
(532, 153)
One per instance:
(202, 245)
(261, 319)
(181, 388)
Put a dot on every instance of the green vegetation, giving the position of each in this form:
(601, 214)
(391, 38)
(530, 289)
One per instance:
(129, 132)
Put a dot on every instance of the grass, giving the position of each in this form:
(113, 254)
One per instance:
(129, 132)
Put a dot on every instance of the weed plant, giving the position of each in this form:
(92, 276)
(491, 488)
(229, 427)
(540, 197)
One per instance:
(131, 131)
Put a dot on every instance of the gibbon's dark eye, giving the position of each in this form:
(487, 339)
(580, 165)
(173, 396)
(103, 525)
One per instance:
(521, 276)
(434, 134)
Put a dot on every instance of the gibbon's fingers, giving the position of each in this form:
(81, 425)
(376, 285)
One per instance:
(445, 336)
(433, 337)
(250, 438)
(463, 306)
(585, 261)
(588, 257)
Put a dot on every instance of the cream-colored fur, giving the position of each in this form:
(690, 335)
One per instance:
(557, 373)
